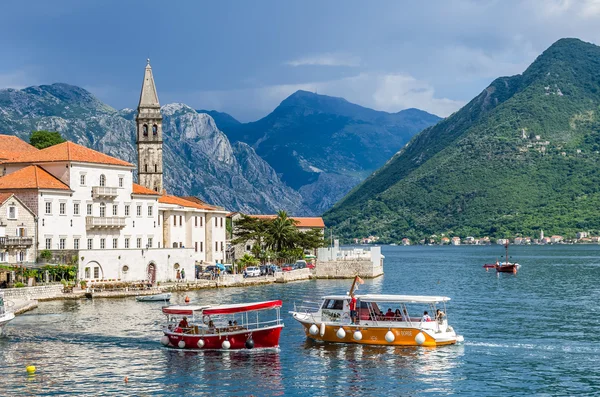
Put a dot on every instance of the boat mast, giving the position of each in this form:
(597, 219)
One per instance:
(506, 246)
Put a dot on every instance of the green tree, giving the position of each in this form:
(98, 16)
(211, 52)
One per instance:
(282, 232)
(44, 139)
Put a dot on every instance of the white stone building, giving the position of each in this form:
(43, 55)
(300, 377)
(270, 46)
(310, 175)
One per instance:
(17, 231)
(91, 212)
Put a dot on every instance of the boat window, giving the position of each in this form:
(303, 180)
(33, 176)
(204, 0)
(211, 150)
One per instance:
(333, 304)
(325, 303)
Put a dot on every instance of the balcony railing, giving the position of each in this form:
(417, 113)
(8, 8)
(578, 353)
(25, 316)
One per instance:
(93, 222)
(14, 242)
(103, 191)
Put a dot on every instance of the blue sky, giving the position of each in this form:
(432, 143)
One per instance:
(245, 57)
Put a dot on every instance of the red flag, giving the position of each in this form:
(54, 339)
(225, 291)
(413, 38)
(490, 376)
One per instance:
(359, 280)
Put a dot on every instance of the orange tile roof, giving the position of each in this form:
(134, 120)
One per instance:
(4, 197)
(168, 199)
(316, 222)
(67, 151)
(139, 189)
(31, 177)
(12, 146)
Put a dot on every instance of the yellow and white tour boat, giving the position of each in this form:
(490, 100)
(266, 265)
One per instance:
(410, 320)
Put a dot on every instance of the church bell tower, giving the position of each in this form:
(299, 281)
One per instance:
(149, 135)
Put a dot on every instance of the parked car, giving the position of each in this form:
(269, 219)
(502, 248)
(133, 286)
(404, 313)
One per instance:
(286, 267)
(301, 264)
(264, 270)
(252, 271)
(274, 269)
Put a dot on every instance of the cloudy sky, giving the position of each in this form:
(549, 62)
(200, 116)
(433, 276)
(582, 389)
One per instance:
(245, 57)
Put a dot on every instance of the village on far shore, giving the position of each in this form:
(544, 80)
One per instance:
(580, 238)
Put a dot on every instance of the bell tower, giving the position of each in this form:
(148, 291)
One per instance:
(149, 135)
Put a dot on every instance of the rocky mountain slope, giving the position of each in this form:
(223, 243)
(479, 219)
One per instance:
(199, 158)
(323, 146)
(521, 157)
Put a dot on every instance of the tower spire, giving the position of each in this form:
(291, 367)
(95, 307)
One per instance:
(149, 134)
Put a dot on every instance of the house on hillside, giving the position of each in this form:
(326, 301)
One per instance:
(405, 241)
(556, 239)
(444, 240)
(455, 240)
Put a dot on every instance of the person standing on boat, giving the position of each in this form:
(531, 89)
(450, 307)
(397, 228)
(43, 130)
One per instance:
(353, 313)
(439, 316)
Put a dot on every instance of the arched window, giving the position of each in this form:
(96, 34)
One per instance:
(145, 129)
(155, 167)
(145, 167)
(156, 188)
(102, 210)
(154, 129)
(102, 180)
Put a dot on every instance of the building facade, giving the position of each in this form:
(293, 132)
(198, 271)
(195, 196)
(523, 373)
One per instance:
(89, 210)
(18, 226)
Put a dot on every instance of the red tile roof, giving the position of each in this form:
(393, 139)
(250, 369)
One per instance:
(139, 189)
(31, 177)
(4, 197)
(316, 222)
(67, 151)
(167, 199)
(12, 146)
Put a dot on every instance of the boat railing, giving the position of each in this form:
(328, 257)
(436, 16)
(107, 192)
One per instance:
(6, 307)
(308, 307)
(224, 329)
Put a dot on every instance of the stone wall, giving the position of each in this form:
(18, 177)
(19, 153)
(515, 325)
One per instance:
(348, 269)
(31, 293)
(293, 275)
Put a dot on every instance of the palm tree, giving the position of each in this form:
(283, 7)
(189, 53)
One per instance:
(282, 232)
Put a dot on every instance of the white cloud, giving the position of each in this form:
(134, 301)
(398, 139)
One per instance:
(327, 59)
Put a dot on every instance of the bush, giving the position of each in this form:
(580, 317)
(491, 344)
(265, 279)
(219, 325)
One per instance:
(19, 285)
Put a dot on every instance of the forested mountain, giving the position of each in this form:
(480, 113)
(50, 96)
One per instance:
(522, 156)
(323, 146)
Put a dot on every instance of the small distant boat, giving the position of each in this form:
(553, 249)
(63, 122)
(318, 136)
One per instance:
(154, 298)
(6, 314)
(506, 267)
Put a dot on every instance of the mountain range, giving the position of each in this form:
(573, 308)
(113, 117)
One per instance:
(203, 161)
(322, 146)
(521, 157)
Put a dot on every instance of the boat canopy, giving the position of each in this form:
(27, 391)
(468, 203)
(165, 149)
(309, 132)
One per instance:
(402, 298)
(185, 310)
(242, 307)
(337, 297)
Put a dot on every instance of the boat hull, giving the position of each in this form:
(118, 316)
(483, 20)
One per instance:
(153, 298)
(263, 338)
(5, 319)
(511, 268)
(374, 335)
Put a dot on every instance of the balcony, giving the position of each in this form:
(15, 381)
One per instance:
(104, 192)
(15, 242)
(97, 222)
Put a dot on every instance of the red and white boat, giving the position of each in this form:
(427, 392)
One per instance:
(506, 267)
(240, 326)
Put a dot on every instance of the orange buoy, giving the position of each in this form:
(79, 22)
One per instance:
(126, 379)
(187, 299)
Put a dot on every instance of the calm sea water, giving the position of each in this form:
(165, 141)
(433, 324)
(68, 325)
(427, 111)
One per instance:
(537, 333)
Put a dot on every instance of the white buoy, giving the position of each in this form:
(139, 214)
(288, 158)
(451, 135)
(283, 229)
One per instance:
(181, 344)
(357, 335)
(313, 330)
(226, 344)
(390, 337)
(165, 340)
(341, 333)
(322, 330)
(420, 338)
(200, 343)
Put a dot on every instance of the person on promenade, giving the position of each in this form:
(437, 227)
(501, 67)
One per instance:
(182, 275)
(425, 317)
(178, 275)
